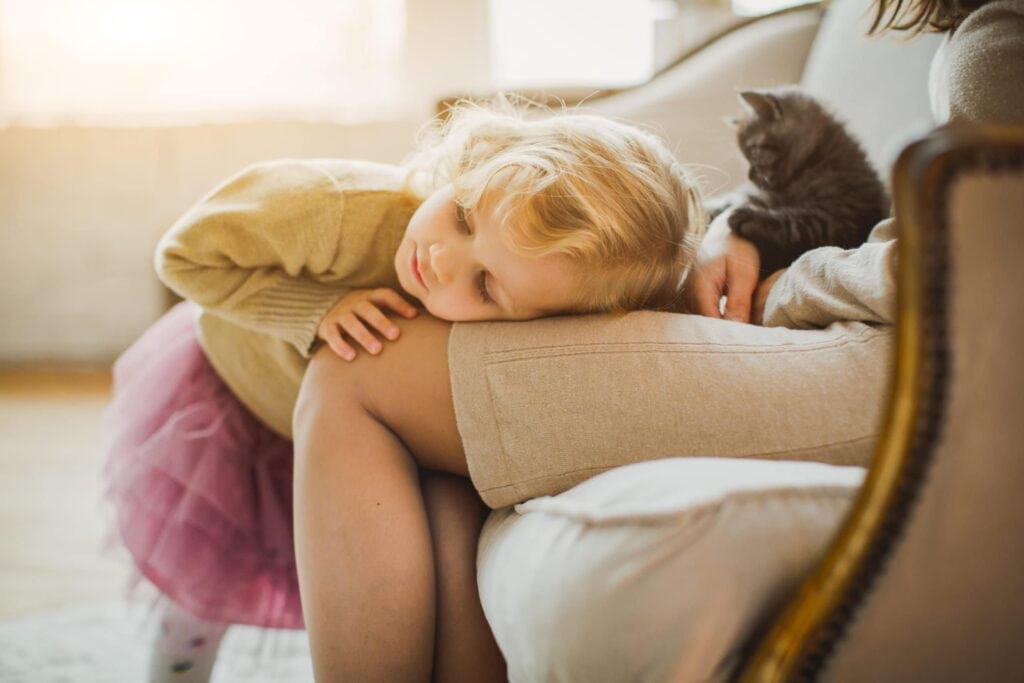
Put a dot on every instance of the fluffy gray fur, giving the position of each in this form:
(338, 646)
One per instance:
(811, 182)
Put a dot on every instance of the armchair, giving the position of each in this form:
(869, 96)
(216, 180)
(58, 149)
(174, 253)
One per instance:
(924, 581)
(707, 569)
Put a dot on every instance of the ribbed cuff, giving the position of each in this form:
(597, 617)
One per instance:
(293, 309)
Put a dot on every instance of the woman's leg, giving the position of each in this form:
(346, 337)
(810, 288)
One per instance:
(465, 649)
(363, 542)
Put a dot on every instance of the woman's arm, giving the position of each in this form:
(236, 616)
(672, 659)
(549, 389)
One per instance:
(821, 287)
(830, 284)
(727, 265)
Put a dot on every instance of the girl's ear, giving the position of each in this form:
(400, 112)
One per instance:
(761, 103)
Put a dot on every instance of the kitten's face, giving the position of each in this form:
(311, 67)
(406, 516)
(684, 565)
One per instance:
(782, 129)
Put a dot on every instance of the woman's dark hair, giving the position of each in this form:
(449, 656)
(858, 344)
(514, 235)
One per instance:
(921, 16)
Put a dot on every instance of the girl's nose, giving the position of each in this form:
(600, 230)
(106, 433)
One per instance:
(444, 262)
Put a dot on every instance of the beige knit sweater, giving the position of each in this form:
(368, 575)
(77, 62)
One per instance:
(268, 252)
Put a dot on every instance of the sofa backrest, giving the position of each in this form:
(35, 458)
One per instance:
(878, 84)
(687, 103)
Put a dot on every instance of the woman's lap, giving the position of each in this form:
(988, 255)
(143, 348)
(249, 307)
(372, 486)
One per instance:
(544, 405)
(531, 409)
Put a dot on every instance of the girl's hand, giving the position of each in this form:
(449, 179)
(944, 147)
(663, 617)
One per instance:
(761, 296)
(357, 309)
(727, 265)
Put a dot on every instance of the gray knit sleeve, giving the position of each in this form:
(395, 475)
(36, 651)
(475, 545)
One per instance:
(985, 65)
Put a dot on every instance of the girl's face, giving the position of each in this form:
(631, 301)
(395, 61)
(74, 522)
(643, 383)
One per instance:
(458, 264)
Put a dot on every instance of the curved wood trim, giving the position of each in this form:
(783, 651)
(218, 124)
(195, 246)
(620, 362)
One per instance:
(806, 633)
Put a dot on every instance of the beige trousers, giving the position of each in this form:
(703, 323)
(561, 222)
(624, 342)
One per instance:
(543, 406)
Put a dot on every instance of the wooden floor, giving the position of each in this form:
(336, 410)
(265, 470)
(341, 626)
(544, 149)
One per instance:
(52, 524)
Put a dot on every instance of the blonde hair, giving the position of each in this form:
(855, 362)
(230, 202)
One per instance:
(606, 194)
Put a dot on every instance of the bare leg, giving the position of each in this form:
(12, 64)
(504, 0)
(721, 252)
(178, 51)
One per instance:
(465, 649)
(363, 542)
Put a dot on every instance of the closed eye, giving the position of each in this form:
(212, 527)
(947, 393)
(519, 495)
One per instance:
(764, 154)
(481, 283)
(462, 220)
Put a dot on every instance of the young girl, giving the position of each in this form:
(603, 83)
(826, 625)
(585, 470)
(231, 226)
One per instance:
(497, 217)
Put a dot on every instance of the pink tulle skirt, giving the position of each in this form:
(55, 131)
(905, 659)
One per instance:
(202, 489)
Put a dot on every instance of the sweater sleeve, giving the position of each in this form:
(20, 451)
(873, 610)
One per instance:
(830, 284)
(274, 247)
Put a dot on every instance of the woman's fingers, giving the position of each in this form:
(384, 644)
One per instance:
(707, 291)
(742, 269)
(741, 282)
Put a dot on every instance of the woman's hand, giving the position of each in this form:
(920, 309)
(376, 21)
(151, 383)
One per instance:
(761, 296)
(727, 265)
(357, 309)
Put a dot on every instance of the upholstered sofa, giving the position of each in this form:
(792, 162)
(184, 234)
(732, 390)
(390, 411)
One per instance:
(707, 569)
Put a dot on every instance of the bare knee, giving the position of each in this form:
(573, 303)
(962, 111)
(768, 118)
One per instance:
(329, 386)
(423, 344)
(406, 388)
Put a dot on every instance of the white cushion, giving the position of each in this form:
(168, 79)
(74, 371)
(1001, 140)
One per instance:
(657, 569)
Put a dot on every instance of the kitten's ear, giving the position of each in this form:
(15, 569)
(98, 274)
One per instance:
(763, 104)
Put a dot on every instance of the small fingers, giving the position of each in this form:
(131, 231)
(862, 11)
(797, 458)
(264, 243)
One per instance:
(355, 328)
(393, 300)
(376, 319)
(331, 334)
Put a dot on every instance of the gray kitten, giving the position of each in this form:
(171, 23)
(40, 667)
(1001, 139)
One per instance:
(812, 184)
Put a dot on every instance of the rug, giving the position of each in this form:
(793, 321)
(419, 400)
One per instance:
(110, 644)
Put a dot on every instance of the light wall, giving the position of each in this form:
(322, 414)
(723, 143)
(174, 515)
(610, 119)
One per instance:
(81, 210)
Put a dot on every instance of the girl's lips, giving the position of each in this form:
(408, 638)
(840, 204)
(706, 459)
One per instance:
(416, 270)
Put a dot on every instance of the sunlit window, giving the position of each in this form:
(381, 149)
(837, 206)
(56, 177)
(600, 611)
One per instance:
(602, 43)
(536, 43)
(755, 7)
(170, 61)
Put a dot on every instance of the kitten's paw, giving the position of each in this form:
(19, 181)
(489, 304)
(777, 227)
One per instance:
(714, 206)
(745, 221)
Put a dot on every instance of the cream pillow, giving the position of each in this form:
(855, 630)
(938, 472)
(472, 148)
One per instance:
(654, 571)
